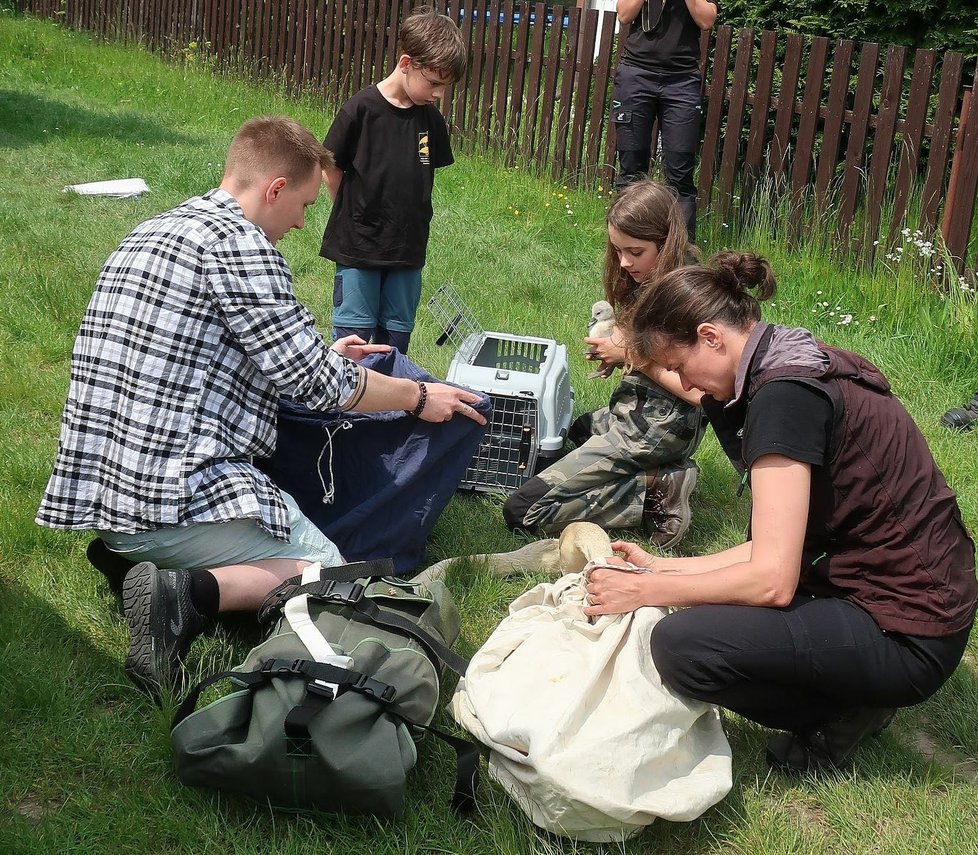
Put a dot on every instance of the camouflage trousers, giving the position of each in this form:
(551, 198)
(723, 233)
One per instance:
(603, 480)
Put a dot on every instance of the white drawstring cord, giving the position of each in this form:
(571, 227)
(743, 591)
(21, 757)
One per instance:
(329, 492)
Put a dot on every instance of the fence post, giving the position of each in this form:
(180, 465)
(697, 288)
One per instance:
(754, 157)
(735, 118)
(828, 156)
(879, 162)
(959, 205)
(714, 116)
(801, 166)
(868, 60)
(913, 132)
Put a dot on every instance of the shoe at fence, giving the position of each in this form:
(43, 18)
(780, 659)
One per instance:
(962, 418)
(666, 515)
(831, 747)
(162, 624)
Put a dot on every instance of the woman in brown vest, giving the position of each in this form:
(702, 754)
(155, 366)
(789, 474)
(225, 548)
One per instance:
(855, 591)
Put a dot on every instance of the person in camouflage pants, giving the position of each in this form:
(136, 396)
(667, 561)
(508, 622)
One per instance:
(638, 445)
(632, 466)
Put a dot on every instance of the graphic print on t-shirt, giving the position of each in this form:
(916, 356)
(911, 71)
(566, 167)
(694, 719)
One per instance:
(423, 154)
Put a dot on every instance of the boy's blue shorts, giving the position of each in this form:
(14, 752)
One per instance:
(365, 298)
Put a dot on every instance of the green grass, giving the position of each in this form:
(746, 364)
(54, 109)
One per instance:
(86, 763)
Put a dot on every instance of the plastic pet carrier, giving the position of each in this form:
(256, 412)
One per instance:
(528, 382)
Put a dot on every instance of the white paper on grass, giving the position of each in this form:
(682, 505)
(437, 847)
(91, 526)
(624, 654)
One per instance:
(118, 188)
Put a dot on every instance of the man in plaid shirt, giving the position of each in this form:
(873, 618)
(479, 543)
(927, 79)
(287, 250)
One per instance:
(191, 336)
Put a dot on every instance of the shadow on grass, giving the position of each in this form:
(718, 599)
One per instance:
(27, 119)
(57, 691)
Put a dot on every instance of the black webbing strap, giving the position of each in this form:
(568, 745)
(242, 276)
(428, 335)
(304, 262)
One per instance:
(373, 569)
(339, 577)
(466, 765)
(345, 680)
(250, 680)
(343, 592)
(384, 617)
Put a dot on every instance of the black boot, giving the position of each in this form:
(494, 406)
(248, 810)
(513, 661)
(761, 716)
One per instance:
(581, 429)
(831, 747)
(962, 418)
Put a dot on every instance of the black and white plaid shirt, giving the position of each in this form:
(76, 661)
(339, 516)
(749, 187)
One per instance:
(192, 334)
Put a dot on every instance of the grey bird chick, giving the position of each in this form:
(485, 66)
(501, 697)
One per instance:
(600, 326)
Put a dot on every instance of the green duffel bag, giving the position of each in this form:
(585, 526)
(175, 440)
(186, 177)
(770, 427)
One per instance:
(331, 705)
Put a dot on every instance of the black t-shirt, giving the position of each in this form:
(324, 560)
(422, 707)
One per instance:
(672, 45)
(388, 154)
(791, 419)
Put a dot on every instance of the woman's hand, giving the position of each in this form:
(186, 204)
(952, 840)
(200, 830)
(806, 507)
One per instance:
(633, 554)
(613, 592)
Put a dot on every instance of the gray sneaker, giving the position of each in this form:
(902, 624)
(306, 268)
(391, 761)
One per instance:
(162, 624)
(666, 515)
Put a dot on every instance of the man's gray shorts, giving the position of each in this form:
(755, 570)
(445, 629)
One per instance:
(204, 546)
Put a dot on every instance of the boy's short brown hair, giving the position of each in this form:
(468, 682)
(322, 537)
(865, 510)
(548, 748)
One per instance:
(434, 42)
(274, 144)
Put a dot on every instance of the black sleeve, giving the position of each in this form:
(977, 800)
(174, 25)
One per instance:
(728, 426)
(341, 138)
(441, 145)
(789, 418)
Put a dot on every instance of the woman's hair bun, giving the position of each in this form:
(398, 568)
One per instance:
(737, 272)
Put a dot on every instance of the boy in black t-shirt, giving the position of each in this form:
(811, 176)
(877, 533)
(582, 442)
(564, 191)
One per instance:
(387, 141)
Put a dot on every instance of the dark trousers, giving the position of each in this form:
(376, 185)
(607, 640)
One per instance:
(639, 98)
(798, 667)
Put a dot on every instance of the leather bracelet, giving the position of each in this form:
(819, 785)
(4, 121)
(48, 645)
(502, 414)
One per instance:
(422, 399)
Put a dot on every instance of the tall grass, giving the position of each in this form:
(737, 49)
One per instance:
(86, 764)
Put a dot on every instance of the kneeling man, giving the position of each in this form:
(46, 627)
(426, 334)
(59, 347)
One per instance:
(191, 336)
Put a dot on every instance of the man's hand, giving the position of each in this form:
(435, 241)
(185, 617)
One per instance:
(445, 401)
(355, 348)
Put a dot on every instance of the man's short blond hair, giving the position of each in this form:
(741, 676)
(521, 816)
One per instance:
(274, 145)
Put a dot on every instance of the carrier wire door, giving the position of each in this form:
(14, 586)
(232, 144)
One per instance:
(528, 382)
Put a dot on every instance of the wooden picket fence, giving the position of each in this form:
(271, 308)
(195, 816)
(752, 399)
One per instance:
(867, 140)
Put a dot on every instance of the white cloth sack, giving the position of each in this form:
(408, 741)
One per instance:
(582, 733)
(117, 188)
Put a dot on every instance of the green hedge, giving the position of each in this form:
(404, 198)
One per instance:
(940, 24)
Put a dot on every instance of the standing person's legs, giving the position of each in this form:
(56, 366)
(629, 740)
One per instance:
(633, 111)
(400, 294)
(681, 117)
(356, 301)
(819, 664)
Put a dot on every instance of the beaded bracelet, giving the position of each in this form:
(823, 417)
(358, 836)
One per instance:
(422, 399)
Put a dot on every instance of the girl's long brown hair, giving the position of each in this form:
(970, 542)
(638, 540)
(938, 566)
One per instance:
(645, 210)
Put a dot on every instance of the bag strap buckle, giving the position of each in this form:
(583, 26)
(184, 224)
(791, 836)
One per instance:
(282, 666)
(374, 688)
(275, 599)
(345, 593)
(326, 691)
